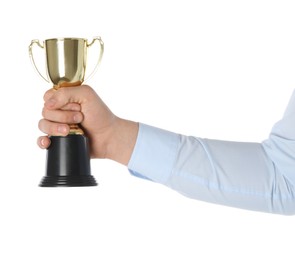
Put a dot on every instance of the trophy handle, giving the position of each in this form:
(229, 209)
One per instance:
(100, 55)
(32, 57)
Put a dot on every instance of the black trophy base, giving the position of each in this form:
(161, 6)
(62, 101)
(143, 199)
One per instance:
(67, 181)
(68, 163)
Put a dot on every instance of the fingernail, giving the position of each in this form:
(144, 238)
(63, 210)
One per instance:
(62, 129)
(77, 118)
(42, 142)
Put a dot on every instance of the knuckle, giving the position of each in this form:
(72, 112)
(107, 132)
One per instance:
(87, 89)
(48, 94)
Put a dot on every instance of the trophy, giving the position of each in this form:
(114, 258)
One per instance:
(68, 159)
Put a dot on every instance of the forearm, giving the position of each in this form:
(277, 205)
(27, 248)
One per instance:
(229, 173)
(254, 176)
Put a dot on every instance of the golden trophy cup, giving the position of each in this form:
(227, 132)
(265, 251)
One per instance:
(68, 160)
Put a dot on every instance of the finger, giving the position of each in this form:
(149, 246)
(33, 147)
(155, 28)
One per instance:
(52, 128)
(48, 94)
(72, 107)
(61, 97)
(43, 142)
(63, 116)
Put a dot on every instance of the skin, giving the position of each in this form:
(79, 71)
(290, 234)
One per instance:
(110, 137)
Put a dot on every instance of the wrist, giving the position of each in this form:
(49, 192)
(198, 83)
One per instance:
(121, 141)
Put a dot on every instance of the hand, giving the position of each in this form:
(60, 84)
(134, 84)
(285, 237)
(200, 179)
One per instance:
(109, 136)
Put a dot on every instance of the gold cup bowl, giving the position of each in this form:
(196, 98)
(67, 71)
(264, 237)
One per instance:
(65, 62)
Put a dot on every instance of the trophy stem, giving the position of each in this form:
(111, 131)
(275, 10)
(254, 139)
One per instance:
(68, 162)
(75, 130)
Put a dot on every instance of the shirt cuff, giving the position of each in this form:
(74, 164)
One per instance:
(154, 154)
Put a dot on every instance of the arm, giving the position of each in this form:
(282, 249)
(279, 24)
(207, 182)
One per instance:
(254, 176)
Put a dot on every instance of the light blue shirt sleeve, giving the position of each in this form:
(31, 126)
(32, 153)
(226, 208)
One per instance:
(253, 176)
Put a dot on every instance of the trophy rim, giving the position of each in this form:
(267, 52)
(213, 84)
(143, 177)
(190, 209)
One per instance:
(65, 38)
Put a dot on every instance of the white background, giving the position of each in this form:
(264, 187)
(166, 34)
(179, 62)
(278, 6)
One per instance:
(216, 69)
